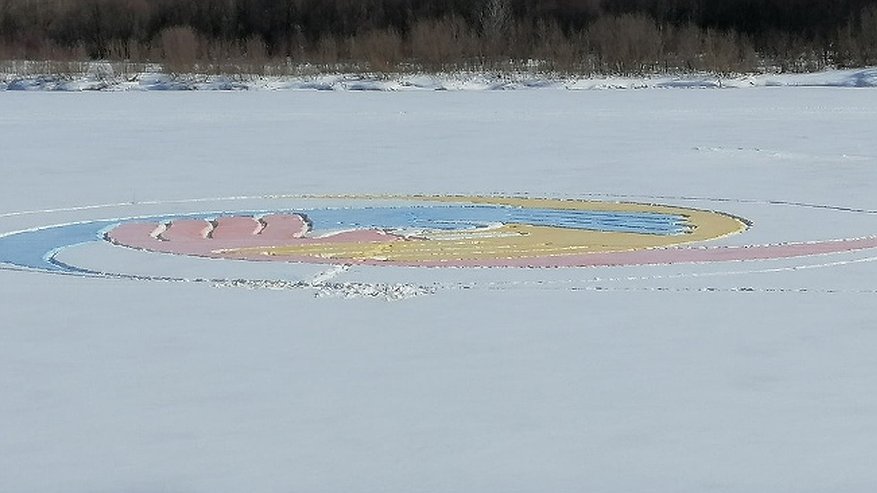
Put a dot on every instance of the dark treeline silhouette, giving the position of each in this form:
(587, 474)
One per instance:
(609, 36)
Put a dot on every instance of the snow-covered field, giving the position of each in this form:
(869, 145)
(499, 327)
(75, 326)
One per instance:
(739, 376)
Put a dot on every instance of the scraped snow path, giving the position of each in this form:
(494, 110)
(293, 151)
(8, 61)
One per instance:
(738, 377)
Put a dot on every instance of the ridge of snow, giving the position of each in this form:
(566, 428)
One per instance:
(475, 81)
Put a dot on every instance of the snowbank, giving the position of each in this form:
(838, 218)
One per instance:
(103, 81)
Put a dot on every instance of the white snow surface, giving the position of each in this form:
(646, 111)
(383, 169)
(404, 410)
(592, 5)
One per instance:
(101, 77)
(735, 377)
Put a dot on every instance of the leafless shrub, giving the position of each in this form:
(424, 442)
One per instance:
(626, 44)
(381, 49)
(556, 51)
(726, 52)
(179, 47)
(327, 52)
(442, 44)
(253, 58)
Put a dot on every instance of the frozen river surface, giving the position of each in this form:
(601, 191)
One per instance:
(729, 376)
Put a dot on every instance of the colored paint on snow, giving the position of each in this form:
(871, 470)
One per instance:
(431, 231)
(281, 227)
(235, 227)
(445, 233)
(706, 225)
(455, 217)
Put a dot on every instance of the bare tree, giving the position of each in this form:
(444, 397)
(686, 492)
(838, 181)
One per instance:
(496, 20)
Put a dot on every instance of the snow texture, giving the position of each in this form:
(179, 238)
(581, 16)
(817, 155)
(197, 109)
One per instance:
(733, 377)
(101, 78)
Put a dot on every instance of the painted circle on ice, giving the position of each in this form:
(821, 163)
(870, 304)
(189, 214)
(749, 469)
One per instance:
(434, 232)
(418, 231)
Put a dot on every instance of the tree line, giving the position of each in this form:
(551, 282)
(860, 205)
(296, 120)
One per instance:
(583, 36)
